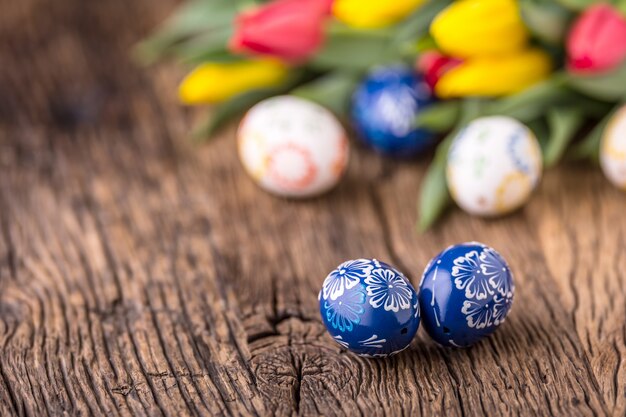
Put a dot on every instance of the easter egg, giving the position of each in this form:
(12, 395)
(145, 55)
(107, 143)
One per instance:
(465, 294)
(384, 107)
(292, 147)
(493, 166)
(369, 308)
(613, 149)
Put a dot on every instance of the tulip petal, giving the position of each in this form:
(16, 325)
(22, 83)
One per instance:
(288, 29)
(597, 40)
(369, 14)
(216, 82)
(479, 27)
(495, 75)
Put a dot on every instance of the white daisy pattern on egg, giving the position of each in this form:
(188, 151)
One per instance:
(345, 313)
(501, 306)
(494, 268)
(466, 273)
(388, 289)
(478, 315)
(489, 290)
(345, 277)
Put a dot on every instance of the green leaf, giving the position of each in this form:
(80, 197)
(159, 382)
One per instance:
(589, 147)
(224, 112)
(434, 195)
(576, 5)
(532, 102)
(425, 43)
(545, 19)
(218, 54)
(621, 5)
(439, 117)
(190, 19)
(197, 49)
(332, 91)
(353, 50)
(563, 123)
(418, 23)
(540, 128)
(336, 28)
(591, 108)
(610, 86)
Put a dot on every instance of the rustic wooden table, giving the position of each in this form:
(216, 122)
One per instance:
(140, 274)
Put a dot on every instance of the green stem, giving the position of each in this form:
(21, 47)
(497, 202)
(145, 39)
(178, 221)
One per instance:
(564, 123)
(589, 147)
(434, 195)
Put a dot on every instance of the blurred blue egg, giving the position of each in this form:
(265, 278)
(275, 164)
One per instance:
(384, 107)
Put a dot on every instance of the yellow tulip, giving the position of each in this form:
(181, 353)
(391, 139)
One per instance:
(469, 28)
(215, 82)
(368, 14)
(495, 75)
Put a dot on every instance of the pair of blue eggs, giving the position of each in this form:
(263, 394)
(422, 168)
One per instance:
(371, 308)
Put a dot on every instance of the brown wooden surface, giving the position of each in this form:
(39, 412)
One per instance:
(140, 274)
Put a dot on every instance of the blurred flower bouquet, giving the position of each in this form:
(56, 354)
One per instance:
(509, 86)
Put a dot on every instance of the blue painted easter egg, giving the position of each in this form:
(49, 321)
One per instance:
(369, 308)
(465, 294)
(384, 107)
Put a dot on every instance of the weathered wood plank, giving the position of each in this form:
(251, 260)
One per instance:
(142, 275)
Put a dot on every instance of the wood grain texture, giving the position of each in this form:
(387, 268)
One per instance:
(143, 275)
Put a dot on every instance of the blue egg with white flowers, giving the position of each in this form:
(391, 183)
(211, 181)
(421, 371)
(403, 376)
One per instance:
(369, 308)
(384, 108)
(466, 293)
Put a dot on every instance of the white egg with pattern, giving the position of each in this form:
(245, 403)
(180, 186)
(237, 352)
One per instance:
(493, 166)
(292, 147)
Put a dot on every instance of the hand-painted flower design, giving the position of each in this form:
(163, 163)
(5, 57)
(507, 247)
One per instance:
(389, 289)
(345, 277)
(517, 149)
(478, 315)
(383, 355)
(373, 342)
(344, 313)
(341, 342)
(467, 276)
(291, 166)
(495, 270)
(501, 308)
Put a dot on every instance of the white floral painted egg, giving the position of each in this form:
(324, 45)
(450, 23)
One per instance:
(292, 147)
(493, 166)
(613, 149)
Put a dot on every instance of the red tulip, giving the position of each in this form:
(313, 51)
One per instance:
(433, 64)
(597, 41)
(288, 29)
